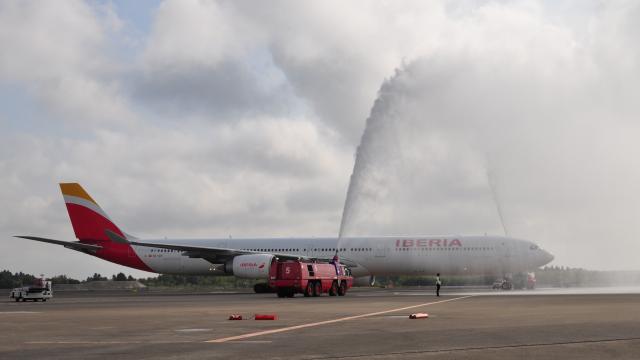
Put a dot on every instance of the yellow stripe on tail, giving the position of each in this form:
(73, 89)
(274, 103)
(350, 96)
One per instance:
(74, 189)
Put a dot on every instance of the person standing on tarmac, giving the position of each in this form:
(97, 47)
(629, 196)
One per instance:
(336, 262)
(438, 284)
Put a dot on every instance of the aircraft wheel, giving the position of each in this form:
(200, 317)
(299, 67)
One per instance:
(261, 288)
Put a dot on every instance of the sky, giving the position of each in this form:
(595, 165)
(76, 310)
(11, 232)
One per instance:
(237, 118)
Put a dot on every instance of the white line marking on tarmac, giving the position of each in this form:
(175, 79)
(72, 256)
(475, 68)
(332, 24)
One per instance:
(296, 327)
(250, 342)
(118, 342)
(72, 342)
(20, 312)
(192, 330)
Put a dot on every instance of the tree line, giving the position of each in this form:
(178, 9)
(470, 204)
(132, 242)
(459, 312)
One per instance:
(550, 276)
(9, 280)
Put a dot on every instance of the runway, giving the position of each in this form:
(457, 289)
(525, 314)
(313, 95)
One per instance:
(367, 323)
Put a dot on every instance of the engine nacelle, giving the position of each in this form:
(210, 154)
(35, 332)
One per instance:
(364, 281)
(250, 266)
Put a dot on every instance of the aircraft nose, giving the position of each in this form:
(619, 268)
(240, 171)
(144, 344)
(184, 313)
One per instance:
(547, 257)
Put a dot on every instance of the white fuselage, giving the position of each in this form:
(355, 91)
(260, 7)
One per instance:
(416, 255)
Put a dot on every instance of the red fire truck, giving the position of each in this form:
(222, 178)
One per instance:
(309, 278)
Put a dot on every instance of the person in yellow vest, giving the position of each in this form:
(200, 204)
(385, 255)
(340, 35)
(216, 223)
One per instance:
(438, 284)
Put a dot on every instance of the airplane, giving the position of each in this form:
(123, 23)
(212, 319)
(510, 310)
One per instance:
(366, 256)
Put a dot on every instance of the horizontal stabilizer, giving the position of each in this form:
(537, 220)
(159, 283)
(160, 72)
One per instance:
(76, 245)
(115, 237)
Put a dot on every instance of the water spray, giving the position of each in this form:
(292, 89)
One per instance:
(380, 121)
(496, 200)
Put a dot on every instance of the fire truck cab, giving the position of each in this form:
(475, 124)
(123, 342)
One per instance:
(309, 278)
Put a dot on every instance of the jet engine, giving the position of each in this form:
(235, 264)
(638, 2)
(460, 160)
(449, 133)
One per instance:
(250, 266)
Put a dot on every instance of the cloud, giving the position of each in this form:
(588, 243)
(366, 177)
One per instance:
(206, 58)
(221, 93)
(59, 54)
(326, 61)
(336, 59)
(241, 118)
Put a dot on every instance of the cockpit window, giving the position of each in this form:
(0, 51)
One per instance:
(533, 247)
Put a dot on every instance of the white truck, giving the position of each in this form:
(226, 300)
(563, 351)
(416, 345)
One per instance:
(40, 290)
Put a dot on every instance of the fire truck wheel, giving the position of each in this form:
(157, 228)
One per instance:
(333, 291)
(317, 290)
(281, 293)
(309, 290)
(342, 290)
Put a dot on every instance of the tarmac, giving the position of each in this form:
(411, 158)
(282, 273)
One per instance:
(367, 324)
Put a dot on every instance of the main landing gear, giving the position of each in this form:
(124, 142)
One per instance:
(262, 288)
(505, 283)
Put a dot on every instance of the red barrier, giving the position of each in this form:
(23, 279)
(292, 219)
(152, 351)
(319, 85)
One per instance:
(266, 317)
(235, 317)
(419, 316)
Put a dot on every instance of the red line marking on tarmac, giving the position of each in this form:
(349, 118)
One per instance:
(302, 326)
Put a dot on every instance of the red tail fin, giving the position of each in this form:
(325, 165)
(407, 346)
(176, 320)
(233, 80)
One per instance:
(89, 221)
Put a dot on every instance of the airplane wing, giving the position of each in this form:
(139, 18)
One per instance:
(217, 255)
(75, 245)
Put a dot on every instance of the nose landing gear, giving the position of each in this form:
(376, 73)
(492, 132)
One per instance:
(502, 284)
(518, 281)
